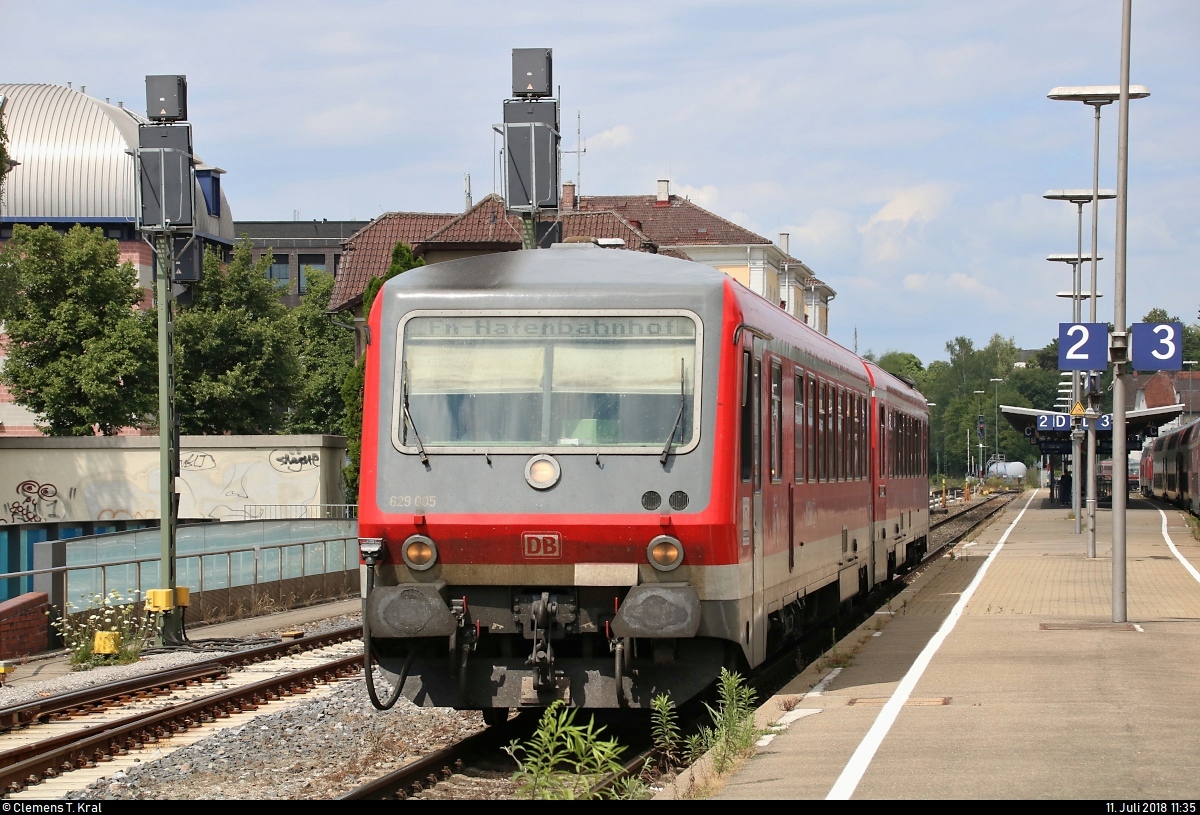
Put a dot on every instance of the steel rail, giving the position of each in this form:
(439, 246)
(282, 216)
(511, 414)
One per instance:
(130, 734)
(429, 771)
(114, 693)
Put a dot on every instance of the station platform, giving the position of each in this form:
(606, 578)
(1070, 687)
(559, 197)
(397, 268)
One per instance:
(999, 674)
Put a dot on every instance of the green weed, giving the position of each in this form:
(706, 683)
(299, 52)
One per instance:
(566, 761)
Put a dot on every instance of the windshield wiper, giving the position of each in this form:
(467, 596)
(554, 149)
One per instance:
(678, 419)
(408, 420)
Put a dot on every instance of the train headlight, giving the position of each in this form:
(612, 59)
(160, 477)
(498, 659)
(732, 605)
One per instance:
(542, 472)
(665, 553)
(419, 552)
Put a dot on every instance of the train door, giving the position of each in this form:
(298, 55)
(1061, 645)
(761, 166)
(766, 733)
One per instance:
(762, 398)
(750, 499)
(879, 461)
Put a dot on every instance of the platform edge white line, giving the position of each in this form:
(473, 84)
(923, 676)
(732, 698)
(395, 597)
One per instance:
(856, 767)
(1178, 555)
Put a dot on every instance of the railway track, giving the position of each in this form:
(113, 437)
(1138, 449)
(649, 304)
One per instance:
(78, 731)
(114, 694)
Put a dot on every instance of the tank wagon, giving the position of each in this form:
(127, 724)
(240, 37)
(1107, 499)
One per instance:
(598, 475)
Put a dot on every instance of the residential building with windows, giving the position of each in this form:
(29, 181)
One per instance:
(296, 246)
(662, 223)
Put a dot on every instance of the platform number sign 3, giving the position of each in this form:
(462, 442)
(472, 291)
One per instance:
(1082, 346)
(1157, 346)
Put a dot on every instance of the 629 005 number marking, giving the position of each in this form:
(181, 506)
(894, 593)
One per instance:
(405, 501)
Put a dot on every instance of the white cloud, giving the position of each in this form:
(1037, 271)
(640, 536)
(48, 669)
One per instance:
(618, 136)
(826, 233)
(894, 230)
(705, 196)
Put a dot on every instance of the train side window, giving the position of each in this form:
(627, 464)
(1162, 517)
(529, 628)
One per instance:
(857, 437)
(848, 436)
(893, 445)
(883, 442)
(822, 439)
(810, 473)
(843, 403)
(776, 430)
(835, 471)
(830, 425)
(798, 441)
(747, 440)
(757, 399)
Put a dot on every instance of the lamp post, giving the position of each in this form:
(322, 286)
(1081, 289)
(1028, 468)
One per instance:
(1079, 198)
(996, 431)
(977, 413)
(1097, 96)
(1076, 295)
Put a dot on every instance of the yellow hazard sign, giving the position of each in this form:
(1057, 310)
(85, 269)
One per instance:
(1078, 409)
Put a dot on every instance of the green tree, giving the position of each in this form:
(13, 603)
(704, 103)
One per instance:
(326, 358)
(236, 362)
(352, 390)
(903, 364)
(79, 356)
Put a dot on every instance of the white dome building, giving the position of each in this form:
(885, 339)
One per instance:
(73, 163)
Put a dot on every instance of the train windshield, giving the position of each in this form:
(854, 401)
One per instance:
(536, 381)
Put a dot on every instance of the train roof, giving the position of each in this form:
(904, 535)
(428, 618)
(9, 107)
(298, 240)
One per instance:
(563, 268)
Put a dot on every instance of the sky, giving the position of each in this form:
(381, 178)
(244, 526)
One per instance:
(904, 145)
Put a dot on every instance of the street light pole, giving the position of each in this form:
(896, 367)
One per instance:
(1079, 198)
(977, 413)
(1076, 295)
(1097, 96)
(1120, 340)
(996, 430)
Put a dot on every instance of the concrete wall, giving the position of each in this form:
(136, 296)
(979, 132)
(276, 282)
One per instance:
(56, 479)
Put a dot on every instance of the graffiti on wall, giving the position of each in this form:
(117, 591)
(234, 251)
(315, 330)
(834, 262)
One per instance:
(37, 503)
(124, 484)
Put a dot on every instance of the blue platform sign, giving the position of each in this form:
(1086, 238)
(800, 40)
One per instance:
(1083, 346)
(1047, 422)
(1157, 346)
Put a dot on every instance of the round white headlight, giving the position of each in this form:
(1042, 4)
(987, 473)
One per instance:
(419, 552)
(542, 472)
(665, 553)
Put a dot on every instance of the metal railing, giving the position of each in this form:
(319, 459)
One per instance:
(288, 512)
(182, 561)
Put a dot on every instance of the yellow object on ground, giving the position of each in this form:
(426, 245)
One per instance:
(106, 642)
(159, 600)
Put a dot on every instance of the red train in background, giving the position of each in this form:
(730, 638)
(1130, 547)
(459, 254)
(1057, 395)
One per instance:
(598, 475)
(1170, 467)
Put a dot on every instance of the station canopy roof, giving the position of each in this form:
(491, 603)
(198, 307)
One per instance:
(1024, 420)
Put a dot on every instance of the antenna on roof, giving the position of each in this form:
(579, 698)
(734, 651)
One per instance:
(580, 149)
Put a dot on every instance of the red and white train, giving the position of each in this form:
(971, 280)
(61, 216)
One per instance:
(1170, 467)
(599, 475)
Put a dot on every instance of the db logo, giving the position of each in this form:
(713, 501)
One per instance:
(542, 544)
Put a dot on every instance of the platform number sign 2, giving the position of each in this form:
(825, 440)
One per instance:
(1157, 346)
(1082, 346)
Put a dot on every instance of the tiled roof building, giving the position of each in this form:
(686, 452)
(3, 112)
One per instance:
(662, 223)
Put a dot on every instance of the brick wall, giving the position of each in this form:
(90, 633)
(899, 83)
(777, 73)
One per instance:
(24, 625)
